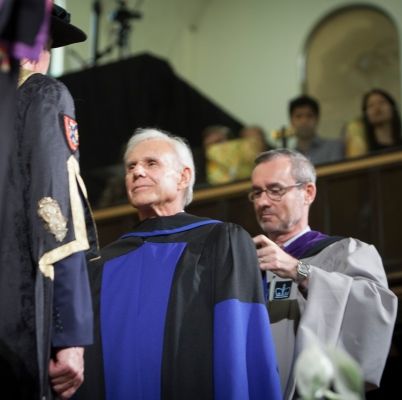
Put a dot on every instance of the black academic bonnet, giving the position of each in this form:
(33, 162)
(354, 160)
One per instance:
(62, 31)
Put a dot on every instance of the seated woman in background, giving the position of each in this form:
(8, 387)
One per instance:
(233, 160)
(378, 129)
(258, 135)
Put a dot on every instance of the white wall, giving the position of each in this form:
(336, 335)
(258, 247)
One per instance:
(245, 55)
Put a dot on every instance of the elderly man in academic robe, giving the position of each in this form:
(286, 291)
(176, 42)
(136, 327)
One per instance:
(179, 305)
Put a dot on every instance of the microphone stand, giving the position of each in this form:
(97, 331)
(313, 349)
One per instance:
(122, 15)
(284, 137)
(97, 11)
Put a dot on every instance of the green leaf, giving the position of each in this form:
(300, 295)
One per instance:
(348, 379)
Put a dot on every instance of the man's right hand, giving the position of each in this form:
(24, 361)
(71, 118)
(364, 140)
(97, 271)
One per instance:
(272, 258)
(66, 371)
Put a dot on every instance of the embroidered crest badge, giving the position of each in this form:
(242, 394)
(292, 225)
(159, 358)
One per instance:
(282, 290)
(49, 210)
(71, 132)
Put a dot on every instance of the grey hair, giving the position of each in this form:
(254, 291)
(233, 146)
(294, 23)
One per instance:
(180, 146)
(302, 168)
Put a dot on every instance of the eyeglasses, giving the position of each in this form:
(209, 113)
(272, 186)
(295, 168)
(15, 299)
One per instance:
(275, 193)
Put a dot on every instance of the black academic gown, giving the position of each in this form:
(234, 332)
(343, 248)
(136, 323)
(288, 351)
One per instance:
(46, 222)
(180, 314)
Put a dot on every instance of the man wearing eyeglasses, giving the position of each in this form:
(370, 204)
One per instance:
(333, 287)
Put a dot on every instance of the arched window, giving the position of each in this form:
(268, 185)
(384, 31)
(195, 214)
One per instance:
(348, 53)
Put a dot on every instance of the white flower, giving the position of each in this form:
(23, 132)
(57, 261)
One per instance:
(318, 372)
(314, 373)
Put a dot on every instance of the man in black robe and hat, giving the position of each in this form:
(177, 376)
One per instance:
(45, 305)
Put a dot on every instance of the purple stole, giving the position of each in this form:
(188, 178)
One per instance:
(303, 244)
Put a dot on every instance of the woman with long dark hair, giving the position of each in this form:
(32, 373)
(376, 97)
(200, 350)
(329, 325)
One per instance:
(380, 126)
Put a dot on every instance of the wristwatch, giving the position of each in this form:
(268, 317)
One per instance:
(303, 271)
